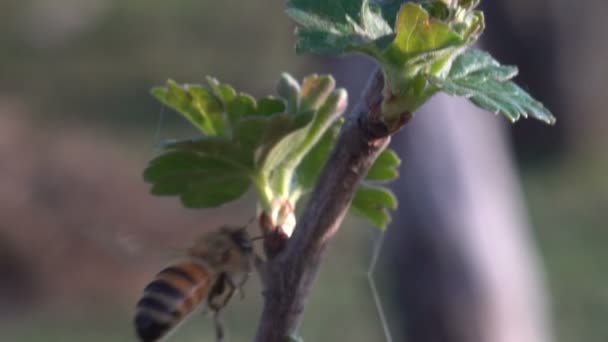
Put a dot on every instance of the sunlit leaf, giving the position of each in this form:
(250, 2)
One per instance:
(310, 168)
(418, 33)
(314, 91)
(337, 26)
(423, 45)
(294, 147)
(289, 89)
(196, 104)
(480, 78)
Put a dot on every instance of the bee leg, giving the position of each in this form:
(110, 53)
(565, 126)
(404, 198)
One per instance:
(220, 299)
(219, 326)
(217, 320)
(258, 261)
(239, 286)
(232, 288)
(216, 292)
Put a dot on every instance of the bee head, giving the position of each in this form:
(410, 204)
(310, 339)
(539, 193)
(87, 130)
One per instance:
(240, 237)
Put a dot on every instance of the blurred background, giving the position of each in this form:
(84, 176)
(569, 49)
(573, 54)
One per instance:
(80, 236)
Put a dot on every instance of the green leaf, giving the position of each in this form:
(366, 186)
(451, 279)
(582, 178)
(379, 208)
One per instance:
(216, 147)
(337, 26)
(289, 89)
(373, 203)
(196, 104)
(270, 105)
(290, 151)
(314, 91)
(389, 10)
(223, 92)
(234, 105)
(385, 167)
(262, 134)
(201, 181)
(418, 33)
(241, 138)
(424, 45)
(310, 167)
(480, 78)
(213, 192)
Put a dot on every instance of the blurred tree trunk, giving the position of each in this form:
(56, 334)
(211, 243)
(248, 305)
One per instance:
(524, 33)
(460, 242)
(459, 252)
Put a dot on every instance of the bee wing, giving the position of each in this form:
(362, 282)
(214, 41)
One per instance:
(133, 245)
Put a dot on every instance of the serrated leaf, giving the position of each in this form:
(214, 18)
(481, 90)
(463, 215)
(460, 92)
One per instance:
(378, 217)
(270, 105)
(385, 167)
(375, 196)
(194, 103)
(336, 26)
(201, 181)
(241, 105)
(213, 192)
(208, 107)
(418, 33)
(223, 91)
(389, 10)
(423, 45)
(477, 76)
(216, 147)
(235, 105)
(373, 203)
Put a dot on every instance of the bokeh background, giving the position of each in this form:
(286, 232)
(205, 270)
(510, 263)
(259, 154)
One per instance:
(80, 236)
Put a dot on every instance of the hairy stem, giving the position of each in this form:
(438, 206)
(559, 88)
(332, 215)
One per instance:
(289, 277)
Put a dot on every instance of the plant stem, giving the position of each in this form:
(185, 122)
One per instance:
(289, 277)
(265, 194)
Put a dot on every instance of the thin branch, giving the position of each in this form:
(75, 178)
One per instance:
(289, 277)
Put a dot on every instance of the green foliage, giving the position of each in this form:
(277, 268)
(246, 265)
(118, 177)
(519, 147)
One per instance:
(372, 199)
(477, 76)
(373, 202)
(416, 46)
(278, 144)
(309, 170)
(239, 139)
(337, 26)
(201, 180)
(385, 167)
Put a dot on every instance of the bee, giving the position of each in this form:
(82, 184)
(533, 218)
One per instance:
(216, 266)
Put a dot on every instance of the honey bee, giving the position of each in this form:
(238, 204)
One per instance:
(216, 266)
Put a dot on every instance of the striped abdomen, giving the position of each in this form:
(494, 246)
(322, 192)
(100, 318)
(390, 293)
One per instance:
(174, 293)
